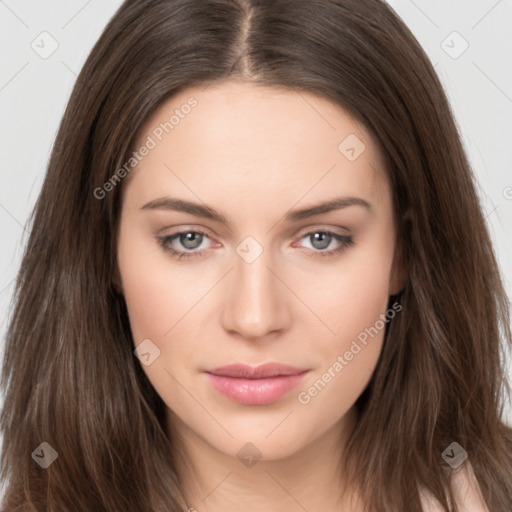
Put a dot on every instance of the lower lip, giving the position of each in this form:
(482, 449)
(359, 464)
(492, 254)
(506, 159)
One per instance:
(255, 391)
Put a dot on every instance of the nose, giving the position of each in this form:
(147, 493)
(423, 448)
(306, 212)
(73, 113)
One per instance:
(258, 301)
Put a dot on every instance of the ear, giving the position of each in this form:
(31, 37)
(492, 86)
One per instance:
(399, 271)
(116, 281)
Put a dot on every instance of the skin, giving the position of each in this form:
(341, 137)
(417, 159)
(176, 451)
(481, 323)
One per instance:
(253, 154)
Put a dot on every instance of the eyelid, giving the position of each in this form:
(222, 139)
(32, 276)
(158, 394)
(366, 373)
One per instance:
(323, 227)
(296, 234)
(180, 228)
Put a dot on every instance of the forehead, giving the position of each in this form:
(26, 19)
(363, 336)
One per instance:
(247, 141)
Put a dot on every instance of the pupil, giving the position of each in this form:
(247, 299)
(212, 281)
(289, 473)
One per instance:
(323, 242)
(189, 242)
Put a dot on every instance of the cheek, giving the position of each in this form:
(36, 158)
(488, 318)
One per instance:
(354, 307)
(355, 298)
(157, 295)
(158, 301)
(348, 359)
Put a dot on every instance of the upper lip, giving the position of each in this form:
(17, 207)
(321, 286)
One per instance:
(246, 371)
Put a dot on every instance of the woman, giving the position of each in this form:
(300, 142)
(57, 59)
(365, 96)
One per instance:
(258, 275)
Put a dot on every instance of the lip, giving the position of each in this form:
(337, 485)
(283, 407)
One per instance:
(255, 385)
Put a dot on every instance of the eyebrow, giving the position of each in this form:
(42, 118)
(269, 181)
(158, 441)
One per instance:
(204, 211)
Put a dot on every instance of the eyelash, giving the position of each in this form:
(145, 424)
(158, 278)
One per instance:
(165, 241)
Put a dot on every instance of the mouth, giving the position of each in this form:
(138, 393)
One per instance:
(258, 385)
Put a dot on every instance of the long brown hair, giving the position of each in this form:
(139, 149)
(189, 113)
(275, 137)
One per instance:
(69, 374)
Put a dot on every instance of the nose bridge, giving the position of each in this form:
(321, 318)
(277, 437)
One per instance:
(256, 304)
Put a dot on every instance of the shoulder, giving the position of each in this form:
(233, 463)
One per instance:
(467, 492)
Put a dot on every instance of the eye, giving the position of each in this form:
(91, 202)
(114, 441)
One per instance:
(321, 240)
(190, 241)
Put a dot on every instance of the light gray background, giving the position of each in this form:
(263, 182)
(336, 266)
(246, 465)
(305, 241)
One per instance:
(34, 91)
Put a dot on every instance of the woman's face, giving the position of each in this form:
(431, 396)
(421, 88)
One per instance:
(232, 179)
